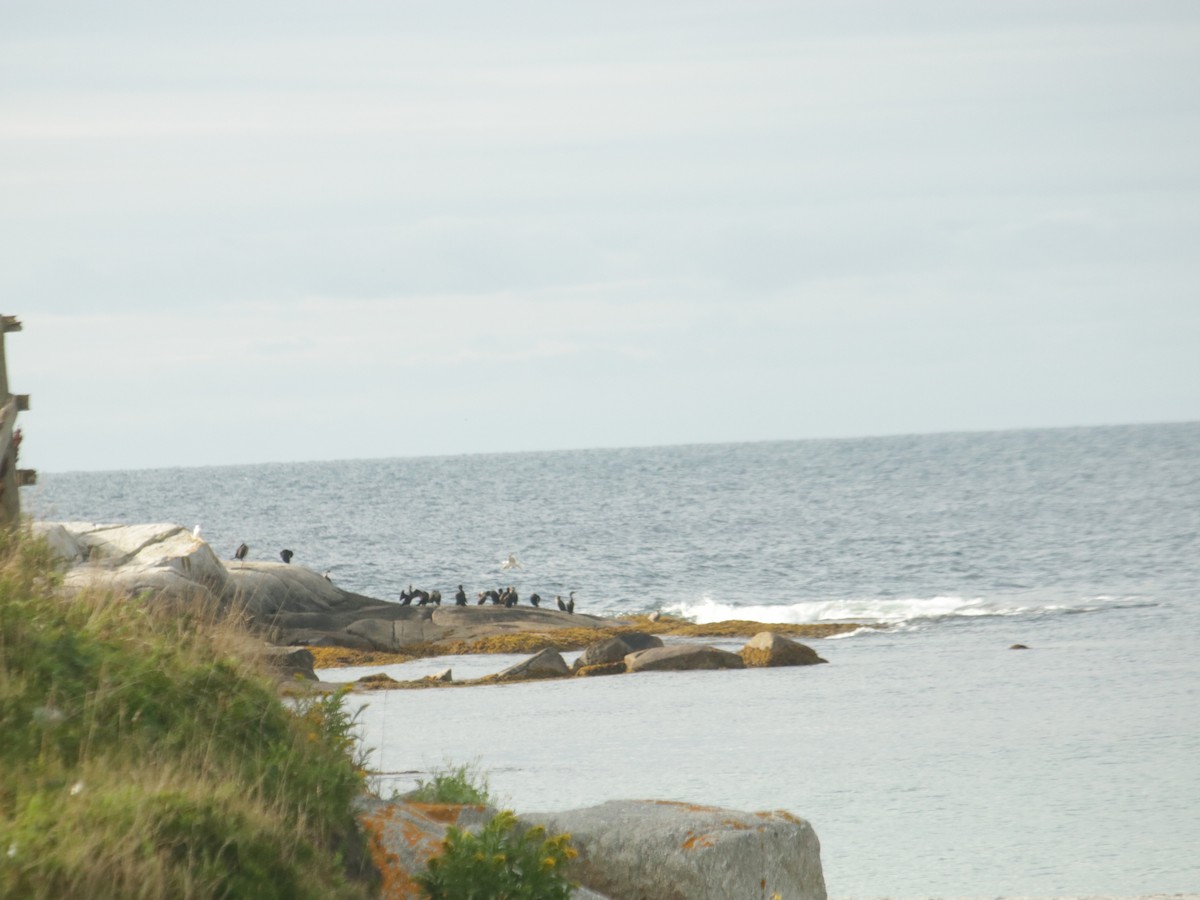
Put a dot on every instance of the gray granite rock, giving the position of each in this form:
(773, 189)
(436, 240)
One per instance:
(291, 604)
(656, 850)
(547, 663)
(770, 649)
(681, 657)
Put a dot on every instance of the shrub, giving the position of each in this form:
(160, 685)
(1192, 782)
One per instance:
(502, 862)
(463, 784)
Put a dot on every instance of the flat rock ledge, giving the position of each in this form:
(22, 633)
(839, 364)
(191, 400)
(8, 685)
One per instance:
(629, 849)
(291, 604)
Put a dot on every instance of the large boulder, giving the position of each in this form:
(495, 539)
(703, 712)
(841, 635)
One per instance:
(547, 663)
(292, 662)
(406, 834)
(614, 649)
(682, 657)
(135, 559)
(657, 850)
(640, 640)
(770, 649)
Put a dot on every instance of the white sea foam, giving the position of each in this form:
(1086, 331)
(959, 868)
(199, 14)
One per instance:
(895, 612)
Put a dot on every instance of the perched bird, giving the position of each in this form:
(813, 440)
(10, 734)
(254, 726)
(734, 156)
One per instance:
(325, 575)
(240, 553)
(511, 562)
(559, 600)
(460, 599)
(571, 603)
(196, 532)
(535, 599)
(483, 598)
(407, 596)
(286, 555)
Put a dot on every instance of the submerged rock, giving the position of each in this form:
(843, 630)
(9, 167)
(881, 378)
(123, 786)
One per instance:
(657, 850)
(770, 649)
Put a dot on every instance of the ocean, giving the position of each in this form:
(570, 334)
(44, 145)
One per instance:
(931, 759)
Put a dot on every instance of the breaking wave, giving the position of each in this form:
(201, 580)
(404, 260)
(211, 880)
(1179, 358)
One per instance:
(897, 613)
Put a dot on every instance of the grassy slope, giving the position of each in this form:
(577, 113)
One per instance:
(145, 752)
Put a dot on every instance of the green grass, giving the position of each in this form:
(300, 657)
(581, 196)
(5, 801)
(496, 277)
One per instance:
(463, 784)
(145, 752)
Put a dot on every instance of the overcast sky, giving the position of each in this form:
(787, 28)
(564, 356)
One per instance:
(268, 231)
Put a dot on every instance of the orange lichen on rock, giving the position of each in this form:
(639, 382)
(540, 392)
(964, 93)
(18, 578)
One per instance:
(446, 813)
(395, 881)
(692, 841)
(694, 807)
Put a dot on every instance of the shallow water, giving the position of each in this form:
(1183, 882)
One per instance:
(950, 766)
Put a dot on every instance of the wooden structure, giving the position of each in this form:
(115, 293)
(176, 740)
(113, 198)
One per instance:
(11, 478)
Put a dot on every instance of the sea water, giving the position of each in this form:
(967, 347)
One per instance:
(930, 758)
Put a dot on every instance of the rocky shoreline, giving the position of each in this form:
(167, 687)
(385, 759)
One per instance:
(650, 849)
(292, 606)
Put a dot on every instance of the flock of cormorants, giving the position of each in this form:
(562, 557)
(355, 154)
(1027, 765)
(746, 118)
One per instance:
(506, 597)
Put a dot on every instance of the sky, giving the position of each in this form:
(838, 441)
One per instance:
(241, 232)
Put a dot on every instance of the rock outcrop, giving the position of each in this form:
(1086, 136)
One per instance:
(770, 649)
(547, 663)
(628, 849)
(682, 657)
(614, 649)
(657, 850)
(290, 603)
(407, 834)
(292, 662)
